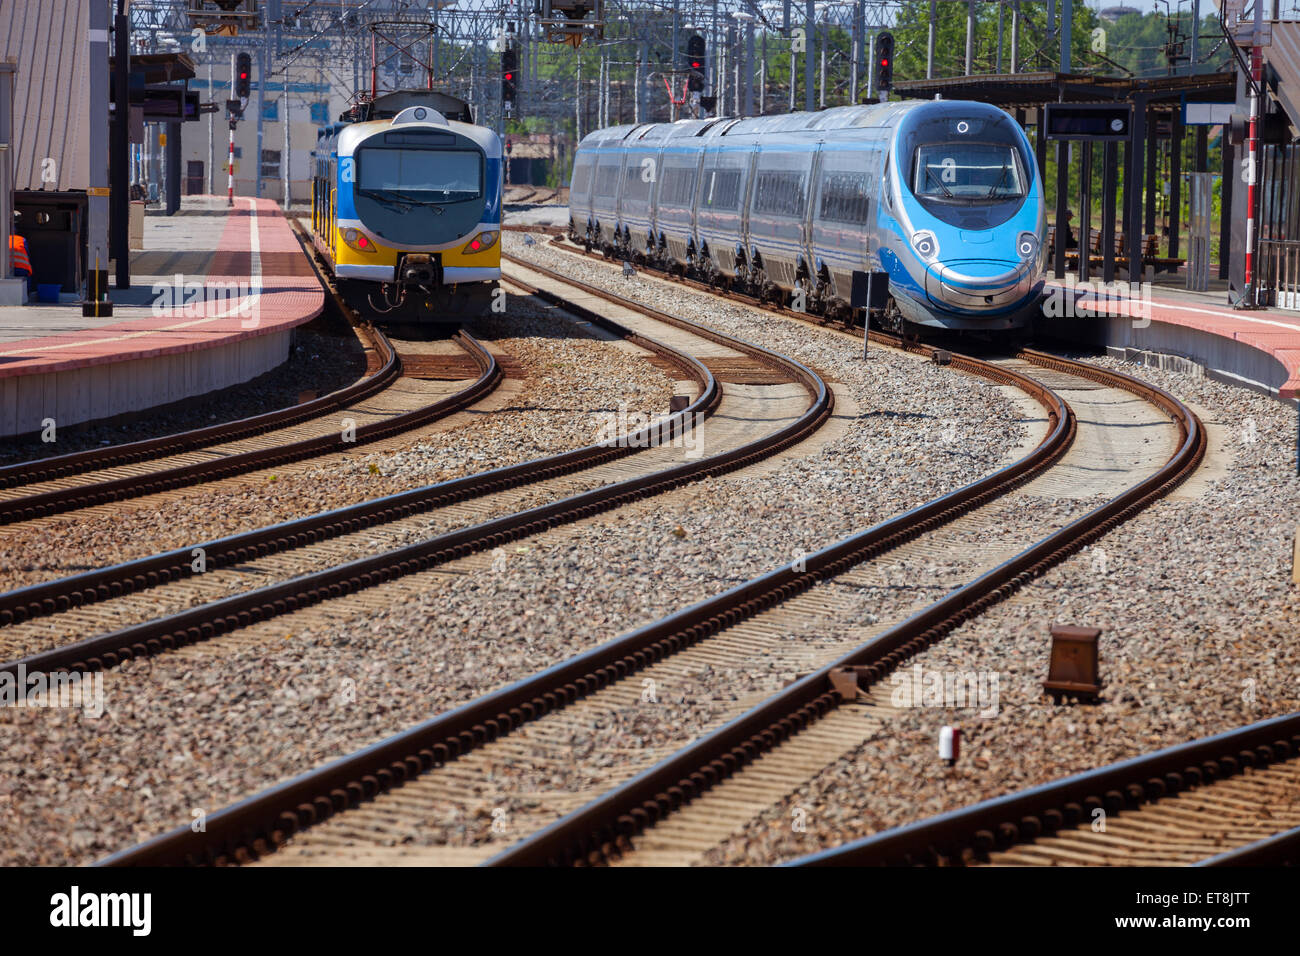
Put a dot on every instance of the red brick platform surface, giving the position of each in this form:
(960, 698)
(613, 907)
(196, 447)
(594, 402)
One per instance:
(1260, 347)
(256, 248)
(213, 302)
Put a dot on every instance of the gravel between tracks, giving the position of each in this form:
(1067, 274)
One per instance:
(180, 736)
(564, 371)
(1199, 620)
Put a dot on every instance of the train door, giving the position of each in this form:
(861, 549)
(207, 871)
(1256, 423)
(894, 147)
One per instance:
(747, 197)
(332, 223)
(814, 174)
(841, 209)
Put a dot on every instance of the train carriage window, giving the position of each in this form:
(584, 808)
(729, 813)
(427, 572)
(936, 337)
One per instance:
(606, 179)
(581, 179)
(844, 197)
(639, 178)
(723, 187)
(780, 192)
(678, 186)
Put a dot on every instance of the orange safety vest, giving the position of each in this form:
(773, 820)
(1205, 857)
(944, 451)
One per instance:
(18, 253)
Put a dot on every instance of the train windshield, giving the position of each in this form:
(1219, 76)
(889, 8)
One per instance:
(406, 177)
(969, 167)
(967, 172)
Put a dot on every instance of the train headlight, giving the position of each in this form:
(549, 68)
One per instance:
(358, 240)
(926, 245)
(1027, 246)
(484, 240)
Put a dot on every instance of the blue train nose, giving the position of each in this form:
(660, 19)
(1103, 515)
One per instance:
(978, 285)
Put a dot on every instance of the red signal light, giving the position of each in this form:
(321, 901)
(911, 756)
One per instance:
(510, 76)
(695, 64)
(884, 63)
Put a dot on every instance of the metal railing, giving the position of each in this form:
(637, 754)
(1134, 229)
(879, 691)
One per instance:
(1279, 273)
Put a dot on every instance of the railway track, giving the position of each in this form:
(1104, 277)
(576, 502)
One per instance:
(1227, 800)
(122, 603)
(676, 809)
(776, 431)
(607, 481)
(401, 392)
(770, 749)
(465, 744)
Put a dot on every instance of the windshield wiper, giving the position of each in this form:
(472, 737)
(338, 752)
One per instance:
(1001, 179)
(396, 204)
(929, 174)
(402, 199)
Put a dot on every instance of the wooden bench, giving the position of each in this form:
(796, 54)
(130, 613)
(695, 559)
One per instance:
(1097, 257)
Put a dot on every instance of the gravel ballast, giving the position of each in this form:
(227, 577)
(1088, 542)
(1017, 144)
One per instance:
(180, 736)
(1199, 618)
(568, 378)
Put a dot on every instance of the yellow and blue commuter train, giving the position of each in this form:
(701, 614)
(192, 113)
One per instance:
(406, 206)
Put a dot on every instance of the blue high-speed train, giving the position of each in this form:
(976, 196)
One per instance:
(943, 195)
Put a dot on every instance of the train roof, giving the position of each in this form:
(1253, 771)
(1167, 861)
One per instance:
(874, 115)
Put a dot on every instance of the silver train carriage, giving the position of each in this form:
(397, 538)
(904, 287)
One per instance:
(942, 195)
(406, 204)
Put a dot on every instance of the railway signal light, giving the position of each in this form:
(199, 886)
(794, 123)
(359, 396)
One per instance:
(695, 61)
(885, 62)
(243, 74)
(509, 66)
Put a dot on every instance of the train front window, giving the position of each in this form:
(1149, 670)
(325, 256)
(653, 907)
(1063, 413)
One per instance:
(402, 177)
(966, 172)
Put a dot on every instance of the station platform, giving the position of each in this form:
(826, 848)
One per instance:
(214, 297)
(1257, 348)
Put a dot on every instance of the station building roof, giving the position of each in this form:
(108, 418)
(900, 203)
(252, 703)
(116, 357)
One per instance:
(51, 119)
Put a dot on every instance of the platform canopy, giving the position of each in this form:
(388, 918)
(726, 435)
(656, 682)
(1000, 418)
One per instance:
(1032, 90)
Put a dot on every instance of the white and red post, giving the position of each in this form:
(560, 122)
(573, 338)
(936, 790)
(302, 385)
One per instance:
(1256, 75)
(230, 154)
(230, 170)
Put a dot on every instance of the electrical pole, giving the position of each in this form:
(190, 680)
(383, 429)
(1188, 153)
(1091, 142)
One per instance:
(120, 214)
(211, 131)
(970, 36)
(929, 47)
(1015, 36)
(261, 107)
(749, 66)
(1002, 9)
(284, 156)
(810, 45)
(1067, 21)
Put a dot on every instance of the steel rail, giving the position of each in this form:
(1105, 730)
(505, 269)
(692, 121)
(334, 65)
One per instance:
(608, 824)
(61, 466)
(53, 597)
(267, 819)
(259, 823)
(62, 500)
(1023, 816)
